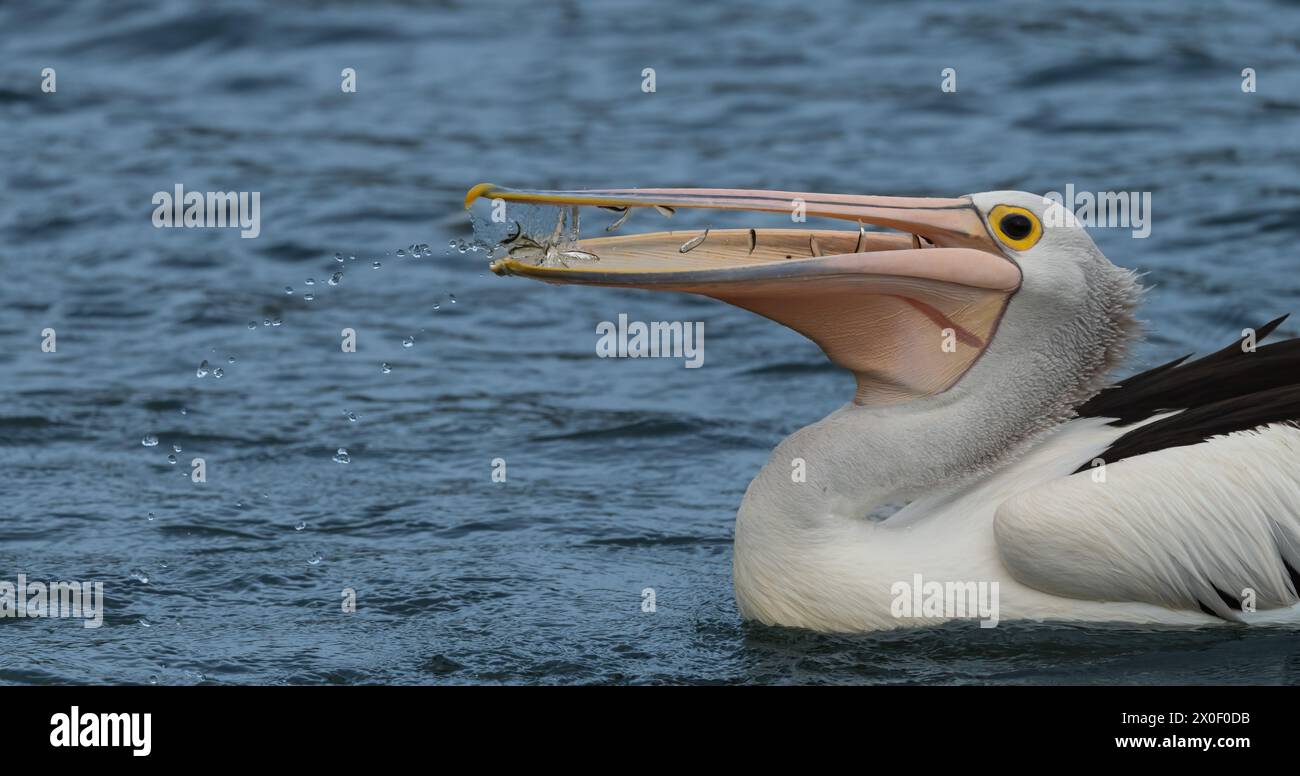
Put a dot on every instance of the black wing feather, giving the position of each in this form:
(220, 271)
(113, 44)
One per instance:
(1193, 426)
(1231, 390)
(1223, 375)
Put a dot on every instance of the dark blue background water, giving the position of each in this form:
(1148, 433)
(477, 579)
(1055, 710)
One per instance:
(623, 474)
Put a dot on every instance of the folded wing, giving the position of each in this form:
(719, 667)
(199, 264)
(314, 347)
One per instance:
(1212, 525)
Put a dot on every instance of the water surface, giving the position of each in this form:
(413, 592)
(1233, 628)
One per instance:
(622, 475)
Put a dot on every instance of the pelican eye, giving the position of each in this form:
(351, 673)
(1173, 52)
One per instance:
(1016, 227)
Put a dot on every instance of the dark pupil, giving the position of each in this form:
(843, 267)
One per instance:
(1017, 226)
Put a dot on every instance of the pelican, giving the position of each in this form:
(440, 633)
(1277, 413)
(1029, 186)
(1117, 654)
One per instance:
(983, 444)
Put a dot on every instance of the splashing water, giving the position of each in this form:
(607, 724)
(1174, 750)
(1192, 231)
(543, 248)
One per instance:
(548, 226)
(205, 369)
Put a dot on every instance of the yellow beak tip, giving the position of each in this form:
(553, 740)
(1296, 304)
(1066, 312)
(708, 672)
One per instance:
(478, 191)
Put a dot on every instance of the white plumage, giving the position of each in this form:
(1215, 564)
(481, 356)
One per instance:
(1181, 527)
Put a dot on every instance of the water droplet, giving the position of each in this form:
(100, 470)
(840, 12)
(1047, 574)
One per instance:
(451, 243)
(336, 278)
(202, 371)
(315, 559)
(252, 324)
(145, 623)
(401, 252)
(301, 526)
(230, 359)
(437, 306)
(309, 297)
(452, 297)
(149, 441)
(376, 265)
(266, 321)
(139, 576)
(352, 416)
(218, 373)
(176, 448)
(153, 678)
(276, 322)
(149, 517)
(185, 410)
(171, 459)
(309, 282)
(385, 368)
(342, 456)
(338, 257)
(288, 290)
(408, 342)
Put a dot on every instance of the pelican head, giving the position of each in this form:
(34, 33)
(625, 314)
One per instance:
(1003, 276)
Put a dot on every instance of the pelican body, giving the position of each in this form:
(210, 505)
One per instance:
(983, 446)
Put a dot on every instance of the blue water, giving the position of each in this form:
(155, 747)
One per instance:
(622, 474)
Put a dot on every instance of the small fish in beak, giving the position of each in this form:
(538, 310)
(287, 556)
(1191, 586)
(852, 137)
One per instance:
(693, 243)
(624, 213)
(565, 257)
(552, 252)
(527, 249)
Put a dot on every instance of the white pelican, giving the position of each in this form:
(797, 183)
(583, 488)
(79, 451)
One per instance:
(982, 445)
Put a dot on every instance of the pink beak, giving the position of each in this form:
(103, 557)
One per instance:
(907, 320)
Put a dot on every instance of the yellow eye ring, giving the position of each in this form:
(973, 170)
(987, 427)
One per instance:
(1016, 227)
